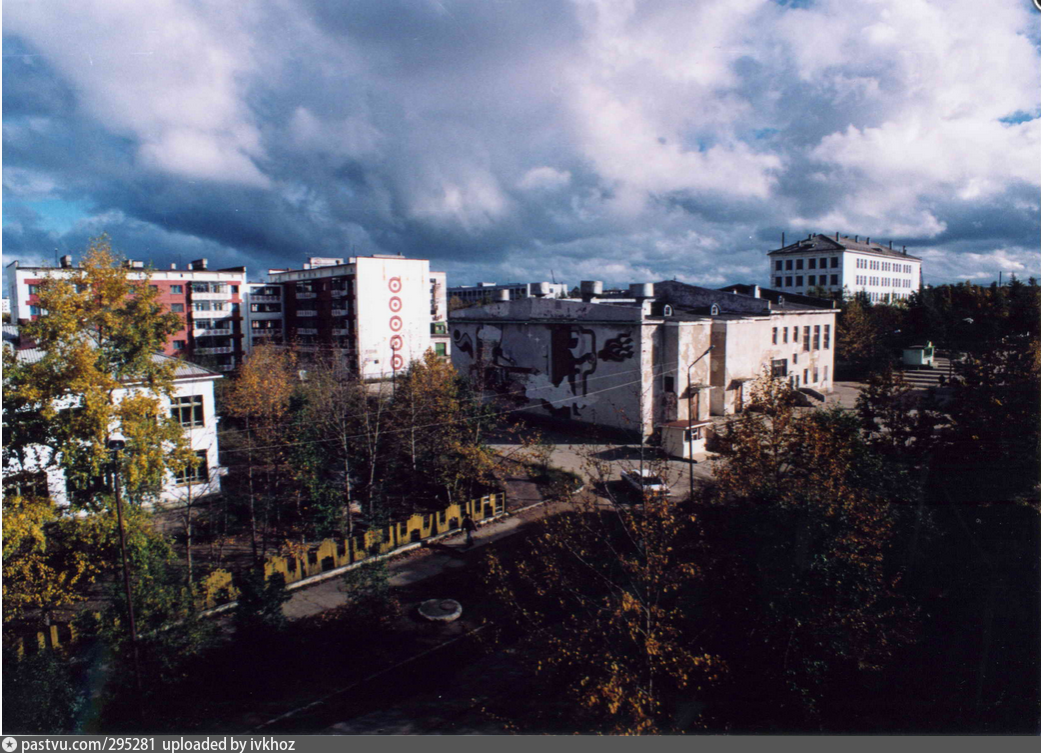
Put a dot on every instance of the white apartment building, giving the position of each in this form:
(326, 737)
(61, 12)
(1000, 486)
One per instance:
(489, 291)
(192, 405)
(379, 313)
(208, 300)
(840, 264)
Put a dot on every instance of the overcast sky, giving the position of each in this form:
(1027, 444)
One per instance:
(522, 139)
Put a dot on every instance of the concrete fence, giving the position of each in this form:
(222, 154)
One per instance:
(218, 588)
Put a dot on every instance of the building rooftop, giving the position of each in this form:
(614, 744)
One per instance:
(828, 243)
(31, 354)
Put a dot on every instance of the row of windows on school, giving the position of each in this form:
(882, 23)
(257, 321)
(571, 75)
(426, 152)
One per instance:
(813, 281)
(780, 335)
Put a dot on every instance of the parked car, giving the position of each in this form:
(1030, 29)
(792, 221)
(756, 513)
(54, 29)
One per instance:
(645, 481)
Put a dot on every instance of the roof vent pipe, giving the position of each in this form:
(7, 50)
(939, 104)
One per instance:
(591, 289)
(642, 290)
(836, 235)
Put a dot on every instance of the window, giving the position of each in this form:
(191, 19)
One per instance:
(798, 263)
(813, 279)
(778, 282)
(787, 282)
(785, 334)
(834, 262)
(187, 410)
(813, 264)
(806, 338)
(816, 338)
(795, 334)
(234, 288)
(177, 308)
(176, 290)
(199, 473)
(440, 349)
(779, 367)
(827, 336)
(805, 376)
(798, 281)
(34, 311)
(31, 484)
(834, 279)
(779, 266)
(34, 289)
(788, 264)
(825, 373)
(154, 287)
(795, 356)
(775, 336)
(815, 374)
(178, 344)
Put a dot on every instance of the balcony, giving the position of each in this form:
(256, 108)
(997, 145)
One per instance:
(305, 296)
(266, 298)
(306, 331)
(339, 312)
(340, 332)
(212, 296)
(225, 367)
(212, 332)
(307, 312)
(338, 292)
(214, 351)
(439, 328)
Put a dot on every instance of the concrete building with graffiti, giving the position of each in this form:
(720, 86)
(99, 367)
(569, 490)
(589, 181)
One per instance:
(668, 353)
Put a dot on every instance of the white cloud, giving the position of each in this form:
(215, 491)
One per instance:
(544, 178)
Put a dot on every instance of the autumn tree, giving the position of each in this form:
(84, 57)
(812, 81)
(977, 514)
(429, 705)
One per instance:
(803, 527)
(605, 597)
(97, 376)
(259, 397)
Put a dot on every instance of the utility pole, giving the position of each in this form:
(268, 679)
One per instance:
(690, 418)
(116, 446)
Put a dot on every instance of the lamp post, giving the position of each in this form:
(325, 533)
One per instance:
(116, 446)
(690, 417)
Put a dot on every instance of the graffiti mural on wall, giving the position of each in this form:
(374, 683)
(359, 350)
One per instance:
(549, 366)
(618, 348)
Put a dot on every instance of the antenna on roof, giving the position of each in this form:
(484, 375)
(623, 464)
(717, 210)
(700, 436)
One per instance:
(782, 240)
(553, 276)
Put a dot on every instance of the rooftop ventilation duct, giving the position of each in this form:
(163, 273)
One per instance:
(641, 290)
(502, 295)
(591, 289)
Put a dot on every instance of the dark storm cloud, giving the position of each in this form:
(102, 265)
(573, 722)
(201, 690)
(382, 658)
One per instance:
(523, 139)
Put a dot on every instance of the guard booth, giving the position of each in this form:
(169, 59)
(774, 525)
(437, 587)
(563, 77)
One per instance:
(680, 439)
(919, 356)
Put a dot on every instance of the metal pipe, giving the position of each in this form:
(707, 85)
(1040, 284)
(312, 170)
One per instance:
(690, 408)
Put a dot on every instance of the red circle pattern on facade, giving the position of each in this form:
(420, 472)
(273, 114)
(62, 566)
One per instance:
(397, 342)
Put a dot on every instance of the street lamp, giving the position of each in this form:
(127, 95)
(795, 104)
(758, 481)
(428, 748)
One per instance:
(690, 417)
(116, 446)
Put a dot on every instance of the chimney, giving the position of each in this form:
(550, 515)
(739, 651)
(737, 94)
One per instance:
(591, 289)
(66, 261)
(782, 240)
(905, 250)
(502, 295)
(641, 291)
(890, 245)
(198, 265)
(856, 238)
(173, 265)
(755, 291)
(836, 235)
